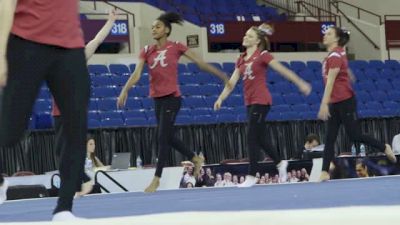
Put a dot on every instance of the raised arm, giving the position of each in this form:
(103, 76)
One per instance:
(133, 79)
(7, 9)
(303, 86)
(228, 89)
(101, 36)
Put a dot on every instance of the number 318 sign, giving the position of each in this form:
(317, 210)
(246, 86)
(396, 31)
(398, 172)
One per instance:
(120, 28)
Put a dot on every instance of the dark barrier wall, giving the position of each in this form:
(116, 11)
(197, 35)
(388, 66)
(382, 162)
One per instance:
(218, 142)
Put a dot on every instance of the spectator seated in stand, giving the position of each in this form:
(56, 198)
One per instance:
(307, 151)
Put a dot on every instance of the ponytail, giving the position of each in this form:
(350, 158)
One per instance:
(169, 18)
(343, 35)
(263, 31)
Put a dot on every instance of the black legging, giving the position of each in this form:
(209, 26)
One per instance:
(345, 112)
(257, 136)
(65, 71)
(166, 109)
(61, 143)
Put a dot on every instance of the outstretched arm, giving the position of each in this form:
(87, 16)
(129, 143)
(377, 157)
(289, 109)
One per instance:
(103, 33)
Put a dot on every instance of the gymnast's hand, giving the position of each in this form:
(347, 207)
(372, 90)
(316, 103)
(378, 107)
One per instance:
(122, 99)
(323, 113)
(3, 71)
(217, 104)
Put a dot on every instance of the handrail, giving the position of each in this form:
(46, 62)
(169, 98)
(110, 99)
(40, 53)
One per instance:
(113, 5)
(320, 11)
(287, 9)
(109, 177)
(355, 26)
(359, 9)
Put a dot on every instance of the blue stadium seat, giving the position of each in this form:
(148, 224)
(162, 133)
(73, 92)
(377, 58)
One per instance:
(274, 77)
(361, 105)
(227, 118)
(119, 69)
(133, 103)
(94, 115)
(107, 104)
(387, 74)
(311, 115)
(281, 108)
(216, 65)
(119, 80)
(92, 123)
(383, 85)
(388, 112)
(391, 105)
(392, 64)
(132, 67)
(226, 110)
(42, 106)
(190, 90)
(103, 92)
(204, 119)
(184, 119)
(315, 107)
(363, 96)
(205, 78)
(228, 67)
(182, 68)
(111, 115)
(98, 69)
(141, 91)
(44, 120)
(147, 103)
(300, 108)
(274, 116)
(144, 80)
(210, 90)
(201, 111)
(277, 99)
(394, 95)
(366, 85)
(188, 80)
(210, 100)
(307, 75)
(317, 86)
(313, 98)
(290, 116)
(101, 81)
(379, 96)
(136, 121)
(376, 64)
(374, 105)
(367, 113)
(112, 122)
(44, 94)
(234, 100)
(297, 65)
(293, 99)
(93, 105)
(358, 64)
(359, 74)
(193, 68)
(372, 74)
(134, 114)
(314, 65)
(185, 111)
(283, 87)
(193, 102)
